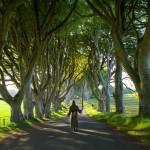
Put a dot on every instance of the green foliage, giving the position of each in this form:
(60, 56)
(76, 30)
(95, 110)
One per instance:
(59, 114)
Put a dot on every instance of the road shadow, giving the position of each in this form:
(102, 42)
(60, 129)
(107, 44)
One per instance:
(57, 135)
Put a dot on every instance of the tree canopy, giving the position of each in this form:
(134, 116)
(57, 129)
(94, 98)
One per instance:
(48, 47)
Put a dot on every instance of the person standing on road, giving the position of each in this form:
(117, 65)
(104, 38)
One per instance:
(73, 111)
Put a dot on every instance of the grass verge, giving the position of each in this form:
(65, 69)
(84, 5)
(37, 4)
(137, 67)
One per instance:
(12, 127)
(139, 127)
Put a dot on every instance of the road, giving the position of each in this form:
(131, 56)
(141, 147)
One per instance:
(56, 135)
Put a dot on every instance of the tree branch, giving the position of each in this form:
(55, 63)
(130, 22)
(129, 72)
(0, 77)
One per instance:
(63, 22)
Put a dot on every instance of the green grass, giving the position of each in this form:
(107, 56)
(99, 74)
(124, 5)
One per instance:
(4, 114)
(139, 127)
(4, 109)
(59, 114)
(130, 101)
(11, 127)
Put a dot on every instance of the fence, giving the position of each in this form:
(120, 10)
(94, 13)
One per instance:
(4, 121)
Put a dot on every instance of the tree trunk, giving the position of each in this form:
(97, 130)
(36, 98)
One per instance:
(16, 113)
(47, 110)
(98, 95)
(28, 103)
(120, 51)
(56, 105)
(101, 105)
(144, 73)
(118, 95)
(87, 92)
(69, 96)
(141, 79)
(107, 96)
(39, 109)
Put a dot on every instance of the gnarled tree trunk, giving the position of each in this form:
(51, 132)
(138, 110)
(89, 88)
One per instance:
(101, 105)
(16, 113)
(144, 73)
(56, 105)
(47, 110)
(39, 109)
(28, 103)
(118, 94)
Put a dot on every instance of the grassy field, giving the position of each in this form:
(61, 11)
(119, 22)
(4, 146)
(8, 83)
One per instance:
(4, 109)
(4, 114)
(130, 101)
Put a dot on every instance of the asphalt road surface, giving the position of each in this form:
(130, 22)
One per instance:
(57, 135)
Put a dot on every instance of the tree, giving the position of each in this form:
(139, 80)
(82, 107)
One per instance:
(40, 34)
(130, 16)
(6, 13)
(101, 61)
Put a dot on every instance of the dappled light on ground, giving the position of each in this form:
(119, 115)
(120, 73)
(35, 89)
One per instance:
(57, 135)
(94, 131)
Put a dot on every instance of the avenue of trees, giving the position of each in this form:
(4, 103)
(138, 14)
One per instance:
(54, 50)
